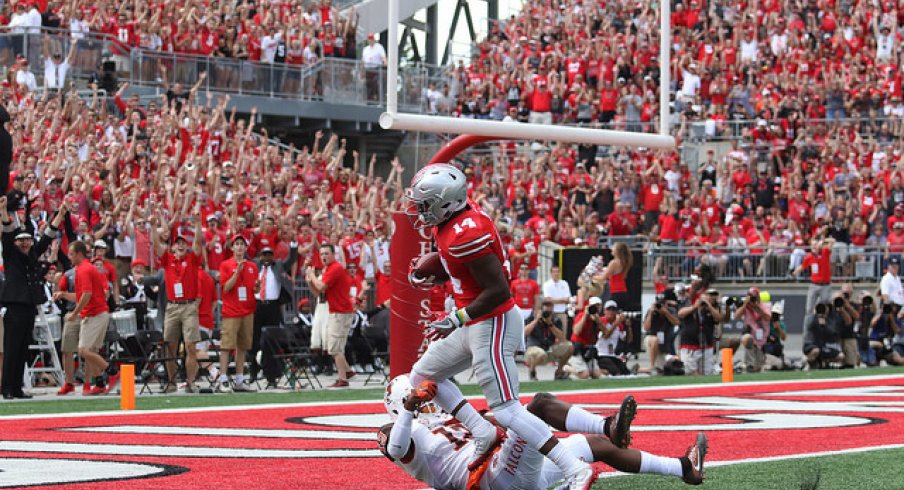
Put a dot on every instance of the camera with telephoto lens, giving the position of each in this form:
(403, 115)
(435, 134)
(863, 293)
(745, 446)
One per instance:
(887, 309)
(660, 302)
(589, 353)
(821, 309)
(593, 310)
(867, 301)
(732, 301)
(546, 314)
(839, 303)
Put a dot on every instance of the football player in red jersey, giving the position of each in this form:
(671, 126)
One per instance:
(435, 448)
(484, 328)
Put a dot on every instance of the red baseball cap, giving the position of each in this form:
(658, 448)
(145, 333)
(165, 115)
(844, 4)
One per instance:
(139, 262)
(239, 237)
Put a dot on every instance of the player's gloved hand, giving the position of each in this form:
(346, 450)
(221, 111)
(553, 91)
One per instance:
(444, 327)
(425, 392)
(419, 282)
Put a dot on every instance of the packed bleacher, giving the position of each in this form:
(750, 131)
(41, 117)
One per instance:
(291, 32)
(814, 148)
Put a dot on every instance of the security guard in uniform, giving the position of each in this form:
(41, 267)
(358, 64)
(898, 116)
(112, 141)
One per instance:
(20, 258)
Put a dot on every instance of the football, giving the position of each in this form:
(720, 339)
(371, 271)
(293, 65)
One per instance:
(428, 265)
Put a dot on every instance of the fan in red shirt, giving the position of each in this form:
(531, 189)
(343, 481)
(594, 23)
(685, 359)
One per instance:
(651, 195)
(91, 306)
(383, 286)
(622, 221)
(819, 263)
(896, 218)
(181, 266)
(238, 277)
(336, 284)
(108, 270)
(526, 291)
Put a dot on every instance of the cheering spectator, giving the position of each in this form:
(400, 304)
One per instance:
(525, 292)
(335, 284)
(181, 267)
(91, 307)
(239, 282)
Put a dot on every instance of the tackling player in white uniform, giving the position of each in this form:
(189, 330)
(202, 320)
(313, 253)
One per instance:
(435, 448)
(484, 329)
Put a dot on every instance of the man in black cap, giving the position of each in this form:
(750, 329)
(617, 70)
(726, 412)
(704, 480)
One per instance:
(20, 257)
(275, 289)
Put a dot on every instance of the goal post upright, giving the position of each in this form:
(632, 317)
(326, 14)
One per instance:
(410, 307)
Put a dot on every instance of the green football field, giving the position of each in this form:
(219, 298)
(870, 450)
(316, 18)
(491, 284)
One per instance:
(878, 469)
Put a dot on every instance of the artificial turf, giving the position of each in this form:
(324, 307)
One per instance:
(873, 470)
(157, 402)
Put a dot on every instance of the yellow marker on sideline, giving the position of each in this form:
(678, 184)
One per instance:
(727, 365)
(127, 387)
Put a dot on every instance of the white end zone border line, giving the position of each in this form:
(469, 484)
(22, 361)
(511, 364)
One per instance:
(228, 408)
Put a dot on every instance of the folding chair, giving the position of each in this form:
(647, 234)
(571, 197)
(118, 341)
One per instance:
(153, 359)
(291, 349)
(381, 360)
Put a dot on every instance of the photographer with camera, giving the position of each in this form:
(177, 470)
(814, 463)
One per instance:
(885, 328)
(822, 336)
(658, 323)
(612, 330)
(698, 324)
(868, 312)
(756, 316)
(586, 330)
(545, 339)
(848, 332)
(774, 349)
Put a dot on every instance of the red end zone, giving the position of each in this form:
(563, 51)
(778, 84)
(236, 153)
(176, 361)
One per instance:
(332, 445)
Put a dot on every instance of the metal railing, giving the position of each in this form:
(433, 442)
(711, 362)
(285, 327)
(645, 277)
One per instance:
(737, 129)
(763, 264)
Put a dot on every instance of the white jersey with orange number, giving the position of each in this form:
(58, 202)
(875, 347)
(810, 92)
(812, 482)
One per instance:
(469, 235)
(439, 457)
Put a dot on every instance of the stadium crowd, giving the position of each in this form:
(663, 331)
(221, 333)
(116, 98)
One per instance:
(292, 32)
(125, 171)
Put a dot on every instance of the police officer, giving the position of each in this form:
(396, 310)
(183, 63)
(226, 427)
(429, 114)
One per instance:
(20, 256)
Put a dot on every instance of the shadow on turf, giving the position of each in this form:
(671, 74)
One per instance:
(810, 477)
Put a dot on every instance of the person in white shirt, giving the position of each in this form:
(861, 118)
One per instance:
(374, 56)
(34, 19)
(557, 291)
(19, 20)
(885, 44)
(23, 75)
(78, 26)
(690, 81)
(890, 285)
(749, 48)
(55, 66)
(268, 46)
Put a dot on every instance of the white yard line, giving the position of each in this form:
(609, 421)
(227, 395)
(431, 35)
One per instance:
(230, 408)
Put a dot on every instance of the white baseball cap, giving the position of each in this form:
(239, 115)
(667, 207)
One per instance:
(596, 300)
(611, 304)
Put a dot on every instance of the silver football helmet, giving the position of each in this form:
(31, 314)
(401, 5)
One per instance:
(437, 192)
